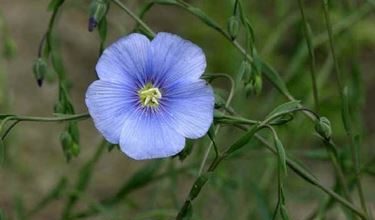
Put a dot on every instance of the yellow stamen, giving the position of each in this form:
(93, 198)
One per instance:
(149, 95)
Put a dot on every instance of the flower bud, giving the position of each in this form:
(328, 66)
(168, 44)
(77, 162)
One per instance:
(243, 74)
(257, 84)
(233, 26)
(69, 146)
(98, 8)
(40, 70)
(323, 127)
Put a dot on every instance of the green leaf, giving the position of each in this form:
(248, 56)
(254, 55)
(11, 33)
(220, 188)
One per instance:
(242, 141)
(283, 212)
(275, 79)
(284, 108)
(281, 155)
(186, 151)
(198, 184)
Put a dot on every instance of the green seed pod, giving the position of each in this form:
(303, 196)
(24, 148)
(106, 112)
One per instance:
(98, 8)
(233, 26)
(40, 70)
(323, 127)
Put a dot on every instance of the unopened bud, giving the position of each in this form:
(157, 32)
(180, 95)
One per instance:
(323, 127)
(233, 26)
(244, 73)
(40, 70)
(98, 8)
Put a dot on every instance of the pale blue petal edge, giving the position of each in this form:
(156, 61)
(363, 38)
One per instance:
(173, 59)
(109, 105)
(148, 136)
(125, 60)
(190, 108)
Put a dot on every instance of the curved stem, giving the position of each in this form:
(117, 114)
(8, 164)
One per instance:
(134, 16)
(227, 103)
(18, 118)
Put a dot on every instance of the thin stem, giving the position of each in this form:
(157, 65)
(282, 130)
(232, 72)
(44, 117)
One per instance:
(312, 56)
(341, 91)
(134, 16)
(53, 119)
(227, 103)
(85, 175)
(331, 45)
(17, 118)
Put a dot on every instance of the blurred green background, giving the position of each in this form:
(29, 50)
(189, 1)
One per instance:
(244, 187)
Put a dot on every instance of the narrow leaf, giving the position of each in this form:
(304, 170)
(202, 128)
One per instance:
(275, 79)
(284, 108)
(281, 155)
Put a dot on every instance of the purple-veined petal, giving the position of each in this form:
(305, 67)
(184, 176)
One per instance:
(190, 107)
(109, 105)
(173, 58)
(145, 135)
(125, 60)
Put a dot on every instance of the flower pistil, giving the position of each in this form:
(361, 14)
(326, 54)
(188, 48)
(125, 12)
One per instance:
(149, 96)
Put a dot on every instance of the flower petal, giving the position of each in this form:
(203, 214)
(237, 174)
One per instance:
(145, 135)
(125, 60)
(109, 104)
(190, 106)
(173, 58)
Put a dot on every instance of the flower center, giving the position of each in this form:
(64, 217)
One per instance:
(149, 95)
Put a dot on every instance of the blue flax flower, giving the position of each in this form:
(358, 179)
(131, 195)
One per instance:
(149, 96)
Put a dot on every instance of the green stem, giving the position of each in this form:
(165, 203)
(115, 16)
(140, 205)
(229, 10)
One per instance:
(18, 118)
(53, 119)
(312, 56)
(341, 92)
(217, 129)
(134, 16)
(85, 175)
